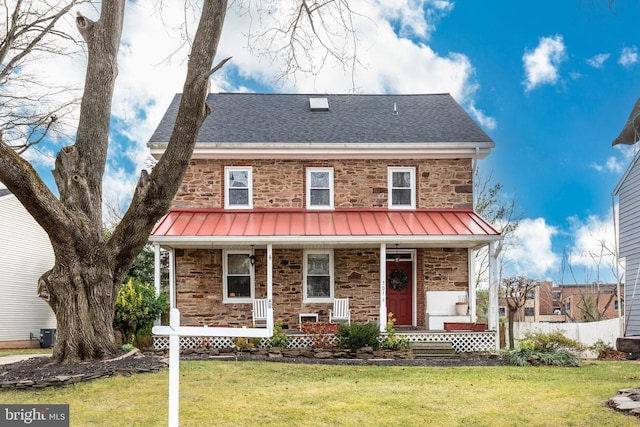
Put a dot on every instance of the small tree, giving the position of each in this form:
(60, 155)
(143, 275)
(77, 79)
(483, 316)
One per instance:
(136, 309)
(515, 290)
(490, 202)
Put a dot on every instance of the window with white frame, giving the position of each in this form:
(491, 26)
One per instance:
(238, 187)
(318, 276)
(402, 188)
(320, 188)
(237, 276)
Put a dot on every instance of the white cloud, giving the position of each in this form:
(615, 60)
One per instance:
(529, 252)
(484, 120)
(628, 56)
(597, 61)
(541, 64)
(415, 17)
(613, 165)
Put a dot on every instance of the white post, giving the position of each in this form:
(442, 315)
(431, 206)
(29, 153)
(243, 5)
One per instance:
(270, 286)
(156, 273)
(175, 331)
(172, 278)
(472, 285)
(493, 292)
(156, 267)
(174, 368)
(383, 287)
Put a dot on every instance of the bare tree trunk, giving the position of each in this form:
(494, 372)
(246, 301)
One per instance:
(512, 315)
(83, 300)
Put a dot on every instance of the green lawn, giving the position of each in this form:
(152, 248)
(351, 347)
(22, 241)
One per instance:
(276, 394)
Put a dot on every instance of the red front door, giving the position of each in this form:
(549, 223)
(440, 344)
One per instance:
(400, 291)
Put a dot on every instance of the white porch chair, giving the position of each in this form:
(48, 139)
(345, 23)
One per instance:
(259, 312)
(340, 311)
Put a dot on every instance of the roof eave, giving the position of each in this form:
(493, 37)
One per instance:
(410, 150)
(209, 242)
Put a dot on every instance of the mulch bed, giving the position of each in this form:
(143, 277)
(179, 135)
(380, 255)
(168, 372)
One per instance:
(38, 372)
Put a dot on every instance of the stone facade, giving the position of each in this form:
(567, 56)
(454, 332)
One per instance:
(356, 276)
(441, 183)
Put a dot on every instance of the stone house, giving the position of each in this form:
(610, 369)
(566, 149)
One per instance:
(302, 199)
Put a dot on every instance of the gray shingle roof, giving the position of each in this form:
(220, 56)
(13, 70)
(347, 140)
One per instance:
(287, 118)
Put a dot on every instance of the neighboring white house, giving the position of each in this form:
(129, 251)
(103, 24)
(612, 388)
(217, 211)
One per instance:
(25, 253)
(628, 193)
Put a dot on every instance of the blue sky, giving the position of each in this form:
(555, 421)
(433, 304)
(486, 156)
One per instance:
(552, 82)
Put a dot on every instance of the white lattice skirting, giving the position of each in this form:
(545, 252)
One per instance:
(463, 342)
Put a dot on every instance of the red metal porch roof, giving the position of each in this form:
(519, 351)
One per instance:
(339, 223)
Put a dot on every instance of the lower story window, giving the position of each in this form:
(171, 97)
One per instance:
(238, 276)
(318, 276)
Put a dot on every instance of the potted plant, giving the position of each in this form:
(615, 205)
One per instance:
(461, 308)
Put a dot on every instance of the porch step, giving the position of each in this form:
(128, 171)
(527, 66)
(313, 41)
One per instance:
(433, 349)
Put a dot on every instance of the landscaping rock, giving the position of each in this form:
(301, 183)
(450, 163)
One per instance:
(627, 400)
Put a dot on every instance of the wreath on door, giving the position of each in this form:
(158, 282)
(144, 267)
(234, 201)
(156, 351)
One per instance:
(398, 280)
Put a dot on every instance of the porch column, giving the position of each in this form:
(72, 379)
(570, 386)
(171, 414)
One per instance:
(471, 294)
(156, 274)
(383, 287)
(172, 278)
(156, 267)
(493, 291)
(270, 287)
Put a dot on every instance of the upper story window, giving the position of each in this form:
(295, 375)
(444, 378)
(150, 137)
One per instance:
(237, 276)
(238, 187)
(318, 276)
(320, 188)
(402, 188)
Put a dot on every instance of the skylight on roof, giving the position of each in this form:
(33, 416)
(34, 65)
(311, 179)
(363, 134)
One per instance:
(319, 104)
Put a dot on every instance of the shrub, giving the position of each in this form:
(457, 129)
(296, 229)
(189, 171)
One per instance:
(605, 351)
(244, 343)
(358, 335)
(279, 338)
(392, 341)
(548, 342)
(136, 308)
(538, 348)
(320, 333)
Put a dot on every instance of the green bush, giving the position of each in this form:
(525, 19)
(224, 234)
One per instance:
(136, 308)
(358, 335)
(549, 342)
(393, 341)
(279, 338)
(538, 348)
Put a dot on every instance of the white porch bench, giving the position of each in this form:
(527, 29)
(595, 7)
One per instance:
(441, 308)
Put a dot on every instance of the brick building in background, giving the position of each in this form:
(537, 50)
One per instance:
(567, 303)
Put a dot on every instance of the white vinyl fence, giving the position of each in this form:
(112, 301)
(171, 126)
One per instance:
(585, 333)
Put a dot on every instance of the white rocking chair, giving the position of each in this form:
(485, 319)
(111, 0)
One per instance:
(259, 312)
(340, 312)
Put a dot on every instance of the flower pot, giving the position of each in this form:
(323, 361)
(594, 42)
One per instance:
(461, 308)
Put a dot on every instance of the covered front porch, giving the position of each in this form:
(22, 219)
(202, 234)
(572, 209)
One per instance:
(414, 264)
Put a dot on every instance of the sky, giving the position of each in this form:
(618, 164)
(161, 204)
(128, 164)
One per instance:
(551, 82)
